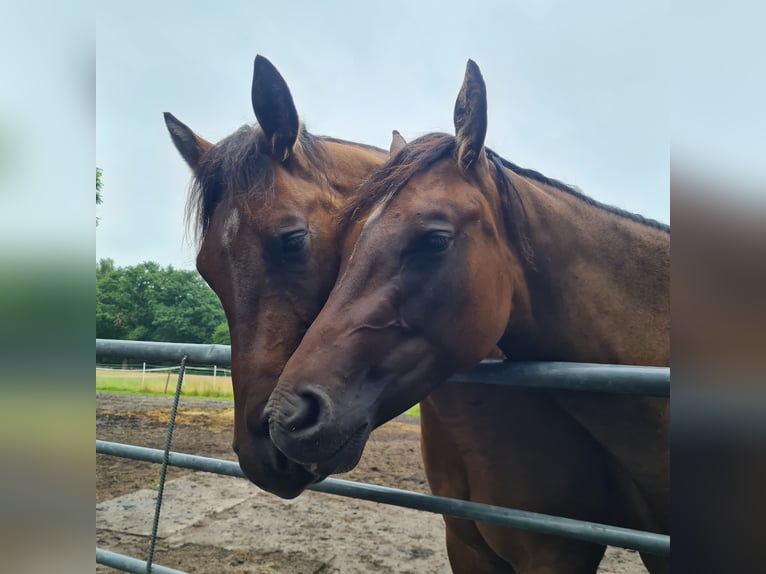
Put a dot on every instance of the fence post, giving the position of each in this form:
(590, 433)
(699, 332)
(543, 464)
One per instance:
(143, 374)
(215, 370)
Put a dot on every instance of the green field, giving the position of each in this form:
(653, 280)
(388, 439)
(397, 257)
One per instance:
(158, 384)
(200, 386)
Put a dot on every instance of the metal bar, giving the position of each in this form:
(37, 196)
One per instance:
(593, 377)
(130, 564)
(164, 352)
(509, 517)
(179, 459)
(532, 521)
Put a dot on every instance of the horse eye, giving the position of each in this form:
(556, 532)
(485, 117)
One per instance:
(433, 242)
(294, 242)
(439, 241)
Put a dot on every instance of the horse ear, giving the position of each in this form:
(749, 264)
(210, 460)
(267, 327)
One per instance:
(189, 145)
(397, 143)
(470, 116)
(274, 108)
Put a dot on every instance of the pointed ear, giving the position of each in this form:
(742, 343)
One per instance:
(397, 143)
(274, 108)
(189, 145)
(471, 116)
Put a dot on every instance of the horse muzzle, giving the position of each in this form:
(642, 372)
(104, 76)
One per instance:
(306, 428)
(269, 469)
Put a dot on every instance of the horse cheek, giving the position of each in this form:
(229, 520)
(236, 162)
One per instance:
(465, 311)
(487, 313)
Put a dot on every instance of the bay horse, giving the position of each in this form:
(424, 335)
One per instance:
(264, 202)
(449, 250)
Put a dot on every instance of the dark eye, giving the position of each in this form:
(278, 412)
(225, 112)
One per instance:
(433, 243)
(294, 242)
(438, 241)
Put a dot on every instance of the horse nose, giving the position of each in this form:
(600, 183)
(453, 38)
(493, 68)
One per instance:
(299, 414)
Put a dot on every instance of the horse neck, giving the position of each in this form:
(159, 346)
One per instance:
(599, 289)
(352, 164)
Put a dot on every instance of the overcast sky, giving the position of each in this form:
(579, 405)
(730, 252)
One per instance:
(577, 91)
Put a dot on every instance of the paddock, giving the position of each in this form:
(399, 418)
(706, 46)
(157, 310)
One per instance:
(579, 377)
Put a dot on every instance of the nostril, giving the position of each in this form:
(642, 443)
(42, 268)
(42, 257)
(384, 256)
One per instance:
(311, 409)
(304, 411)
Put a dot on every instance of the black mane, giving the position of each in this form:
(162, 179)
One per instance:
(241, 163)
(425, 151)
(572, 190)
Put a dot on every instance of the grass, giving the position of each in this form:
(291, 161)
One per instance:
(132, 382)
(200, 386)
(413, 411)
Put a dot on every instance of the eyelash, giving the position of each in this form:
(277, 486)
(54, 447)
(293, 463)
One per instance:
(434, 242)
(294, 242)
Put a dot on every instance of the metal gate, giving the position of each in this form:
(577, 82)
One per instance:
(653, 381)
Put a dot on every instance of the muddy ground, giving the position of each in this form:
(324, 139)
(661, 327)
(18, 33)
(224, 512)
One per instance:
(214, 524)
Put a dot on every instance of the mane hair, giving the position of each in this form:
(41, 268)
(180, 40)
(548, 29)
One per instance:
(241, 163)
(418, 156)
(573, 190)
(385, 182)
(425, 151)
(514, 214)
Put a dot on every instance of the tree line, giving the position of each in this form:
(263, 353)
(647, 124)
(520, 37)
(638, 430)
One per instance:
(148, 302)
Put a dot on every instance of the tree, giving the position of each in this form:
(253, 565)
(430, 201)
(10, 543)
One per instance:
(221, 335)
(104, 267)
(150, 303)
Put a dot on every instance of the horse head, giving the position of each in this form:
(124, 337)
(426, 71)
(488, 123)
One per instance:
(425, 289)
(264, 201)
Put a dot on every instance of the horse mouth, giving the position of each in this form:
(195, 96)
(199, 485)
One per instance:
(344, 459)
(269, 469)
(281, 462)
(286, 483)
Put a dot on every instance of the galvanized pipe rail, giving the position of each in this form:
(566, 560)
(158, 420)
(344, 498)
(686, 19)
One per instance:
(532, 521)
(594, 377)
(130, 564)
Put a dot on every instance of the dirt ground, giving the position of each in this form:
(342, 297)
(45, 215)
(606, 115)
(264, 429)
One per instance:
(247, 530)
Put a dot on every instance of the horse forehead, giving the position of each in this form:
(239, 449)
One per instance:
(230, 227)
(288, 200)
(286, 183)
(300, 193)
(433, 189)
(443, 173)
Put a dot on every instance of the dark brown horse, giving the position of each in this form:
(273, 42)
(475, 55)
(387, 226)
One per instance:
(449, 250)
(265, 202)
